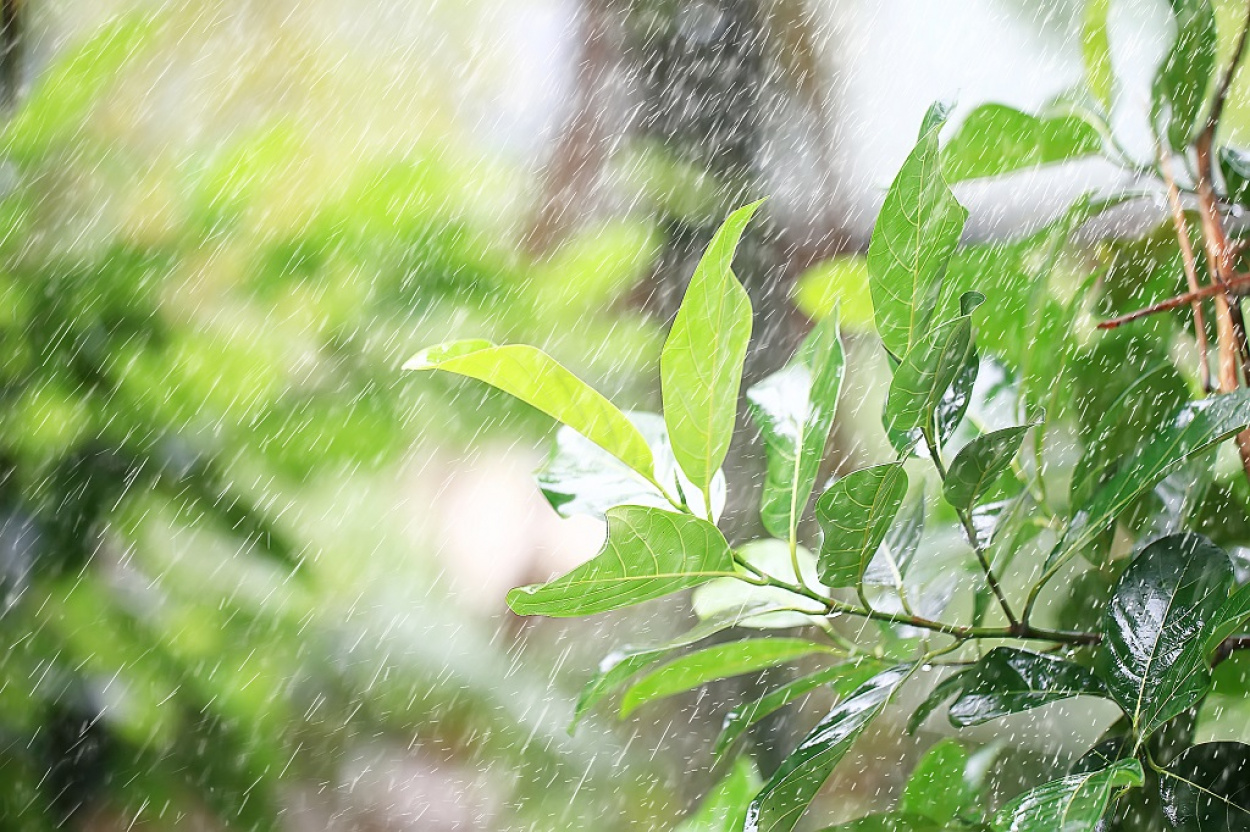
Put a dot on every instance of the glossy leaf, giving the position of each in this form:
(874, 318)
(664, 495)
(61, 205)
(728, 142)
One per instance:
(898, 549)
(1229, 619)
(701, 364)
(538, 380)
(1152, 657)
(841, 678)
(649, 553)
(996, 139)
(580, 478)
(1008, 680)
(928, 371)
(620, 665)
(720, 661)
(1073, 804)
(937, 788)
(917, 230)
(794, 409)
(786, 796)
(1180, 87)
(979, 464)
(725, 808)
(855, 515)
(1207, 788)
(1197, 427)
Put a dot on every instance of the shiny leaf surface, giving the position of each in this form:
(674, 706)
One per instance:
(979, 463)
(855, 514)
(1008, 680)
(1073, 804)
(1207, 788)
(724, 809)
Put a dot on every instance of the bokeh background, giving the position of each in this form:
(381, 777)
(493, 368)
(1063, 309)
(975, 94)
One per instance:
(251, 574)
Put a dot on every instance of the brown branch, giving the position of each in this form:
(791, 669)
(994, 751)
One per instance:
(1233, 287)
(1191, 269)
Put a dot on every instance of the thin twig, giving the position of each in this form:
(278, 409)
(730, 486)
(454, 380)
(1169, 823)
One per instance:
(1191, 269)
(1237, 283)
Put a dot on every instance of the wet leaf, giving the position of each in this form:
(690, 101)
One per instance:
(1156, 626)
(720, 661)
(1073, 804)
(917, 230)
(1008, 680)
(842, 678)
(855, 515)
(725, 808)
(785, 797)
(649, 553)
(996, 139)
(979, 463)
(1207, 788)
(538, 380)
(794, 409)
(937, 788)
(1180, 87)
(701, 365)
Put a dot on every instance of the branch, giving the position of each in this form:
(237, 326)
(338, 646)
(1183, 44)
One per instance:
(1191, 269)
(1238, 282)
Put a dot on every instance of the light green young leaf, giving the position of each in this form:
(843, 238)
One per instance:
(701, 364)
(1180, 87)
(725, 808)
(794, 409)
(1073, 804)
(855, 514)
(996, 139)
(720, 661)
(1096, 50)
(541, 382)
(927, 372)
(917, 230)
(979, 463)
(649, 553)
(937, 788)
(786, 796)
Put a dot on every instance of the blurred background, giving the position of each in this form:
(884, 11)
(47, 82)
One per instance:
(252, 575)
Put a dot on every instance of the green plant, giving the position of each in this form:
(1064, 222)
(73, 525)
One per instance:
(1106, 475)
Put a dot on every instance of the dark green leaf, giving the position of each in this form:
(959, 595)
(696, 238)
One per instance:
(701, 364)
(855, 514)
(1207, 788)
(927, 372)
(720, 661)
(996, 139)
(1104, 754)
(918, 228)
(1152, 656)
(1197, 427)
(842, 678)
(538, 380)
(1008, 680)
(794, 409)
(1235, 165)
(725, 808)
(582, 478)
(1074, 804)
(649, 553)
(979, 463)
(1229, 619)
(937, 788)
(1180, 87)
(784, 799)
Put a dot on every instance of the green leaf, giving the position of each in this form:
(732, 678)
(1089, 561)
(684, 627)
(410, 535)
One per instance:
(541, 382)
(855, 514)
(1096, 50)
(1180, 87)
(649, 553)
(619, 665)
(580, 478)
(772, 557)
(1152, 657)
(701, 365)
(725, 808)
(919, 226)
(837, 285)
(1235, 165)
(784, 799)
(1008, 680)
(1197, 427)
(794, 409)
(996, 139)
(979, 463)
(889, 822)
(947, 689)
(843, 678)
(720, 661)
(1229, 618)
(927, 372)
(937, 788)
(1073, 804)
(1207, 788)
